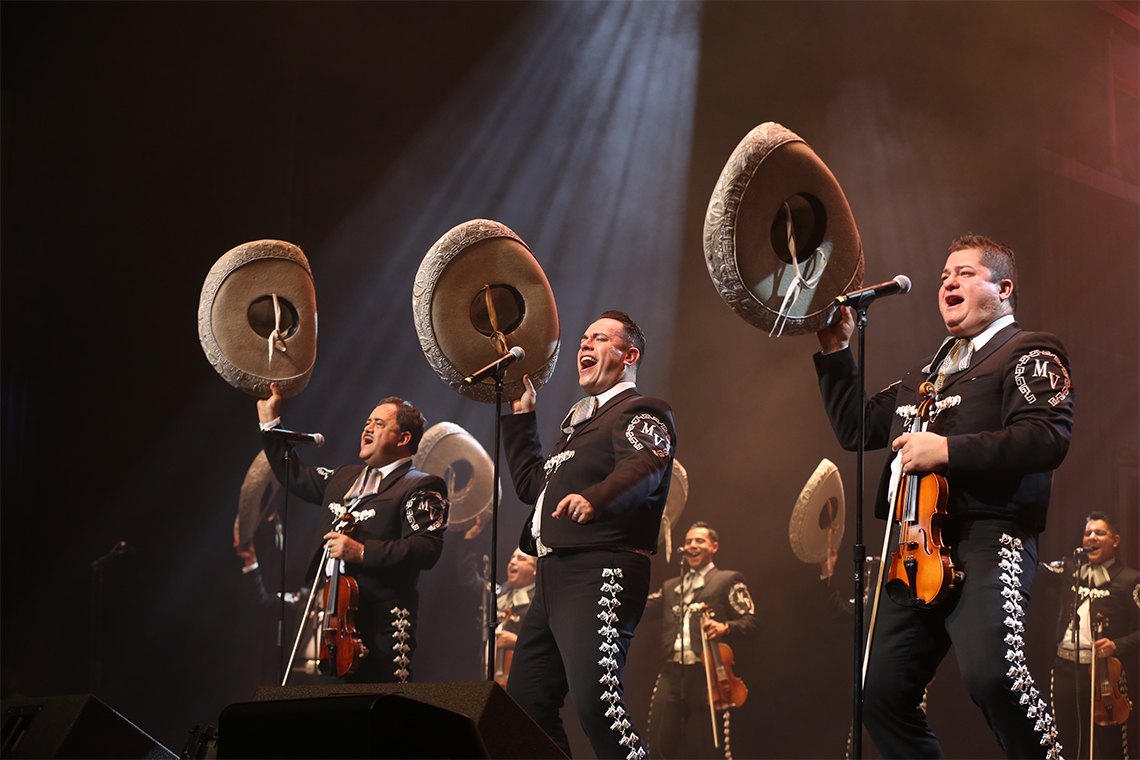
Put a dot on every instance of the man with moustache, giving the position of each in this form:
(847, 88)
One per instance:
(598, 502)
(679, 723)
(997, 449)
(1101, 590)
(400, 516)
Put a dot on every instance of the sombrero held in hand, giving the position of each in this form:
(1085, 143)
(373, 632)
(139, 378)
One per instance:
(478, 293)
(780, 241)
(257, 317)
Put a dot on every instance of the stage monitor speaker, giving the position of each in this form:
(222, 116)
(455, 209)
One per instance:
(72, 726)
(420, 720)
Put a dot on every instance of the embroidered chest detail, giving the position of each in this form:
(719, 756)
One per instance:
(557, 461)
(909, 411)
(338, 511)
(1096, 593)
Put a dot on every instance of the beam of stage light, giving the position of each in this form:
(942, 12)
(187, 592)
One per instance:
(575, 132)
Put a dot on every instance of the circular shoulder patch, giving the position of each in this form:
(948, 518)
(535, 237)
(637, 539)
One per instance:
(645, 431)
(741, 600)
(426, 510)
(1041, 375)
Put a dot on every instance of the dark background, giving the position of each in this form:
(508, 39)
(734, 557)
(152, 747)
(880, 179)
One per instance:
(140, 141)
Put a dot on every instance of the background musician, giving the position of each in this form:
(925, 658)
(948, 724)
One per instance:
(512, 603)
(679, 718)
(401, 514)
(1103, 587)
(997, 450)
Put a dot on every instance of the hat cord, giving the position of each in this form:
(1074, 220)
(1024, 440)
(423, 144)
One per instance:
(498, 339)
(799, 282)
(275, 340)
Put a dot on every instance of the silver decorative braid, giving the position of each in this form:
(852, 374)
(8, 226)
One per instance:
(726, 717)
(615, 710)
(1022, 682)
(400, 624)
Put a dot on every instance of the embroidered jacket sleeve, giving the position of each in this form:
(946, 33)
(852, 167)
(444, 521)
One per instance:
(742, 622)
(1128, 644)
(307, 482)
(524, 455)
(839, 385)
(643, 444)
(1037, 413)
(421, 540)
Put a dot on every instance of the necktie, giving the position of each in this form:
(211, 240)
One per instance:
(579, 413)
(1099, 575)
(368, 484)
(956, 361)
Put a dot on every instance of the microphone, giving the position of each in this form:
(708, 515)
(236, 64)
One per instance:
(1080, 551)
(516, 354)
(293, 437)
(857, 298)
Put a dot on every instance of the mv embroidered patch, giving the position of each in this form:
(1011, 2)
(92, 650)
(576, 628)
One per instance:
(1041, 373)
(741, 600)
(426, 510)
(646, 431)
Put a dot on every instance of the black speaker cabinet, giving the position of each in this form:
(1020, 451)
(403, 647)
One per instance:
(72, 726)
(423, 720)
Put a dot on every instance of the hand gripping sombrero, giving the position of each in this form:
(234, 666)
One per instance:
(450, 452)
(674, 506)
(255, 504)
(780, 241)
(478, 293)
(818, 516)
(257, 317)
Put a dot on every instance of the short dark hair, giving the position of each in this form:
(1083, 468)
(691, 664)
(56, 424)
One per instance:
(408, 420)
(630, 331)
(702, 524)
(997, 258)
(1104, 517)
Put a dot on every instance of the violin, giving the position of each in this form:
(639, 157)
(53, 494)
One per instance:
(339, 646)
(921, 572)
(503, 657)
(1111, 705)
(725, 689)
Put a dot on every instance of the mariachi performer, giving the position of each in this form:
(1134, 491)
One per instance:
(705, 604)
(1101, 618)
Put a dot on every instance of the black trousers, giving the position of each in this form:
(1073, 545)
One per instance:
(575, 638)
(984, 620)
(680, 724)
(1071, 706)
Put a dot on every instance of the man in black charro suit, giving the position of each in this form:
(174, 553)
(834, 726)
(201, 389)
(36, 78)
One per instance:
(679, 718)
(599, 497)
(400, 513)
(997, 449)
(1100, 590)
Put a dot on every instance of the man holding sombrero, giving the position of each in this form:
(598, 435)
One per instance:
(598, 497)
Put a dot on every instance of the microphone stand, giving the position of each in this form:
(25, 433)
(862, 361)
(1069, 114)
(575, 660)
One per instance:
(98, 566)
(492, 605)
(859, 551)
(284, 664)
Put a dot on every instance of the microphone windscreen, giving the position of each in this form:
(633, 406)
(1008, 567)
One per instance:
(904, 283)
(518, 352)
(318, 440)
